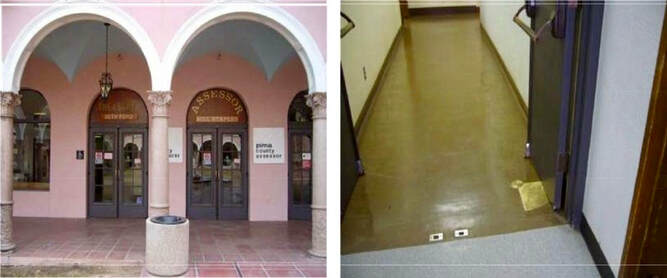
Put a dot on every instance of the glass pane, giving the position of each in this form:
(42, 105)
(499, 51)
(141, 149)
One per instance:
(33, 107)
(32, 156)
(301, 169)
(298, 110)
(104, 168)
(202, 190)
(232, 174)
(133, 190)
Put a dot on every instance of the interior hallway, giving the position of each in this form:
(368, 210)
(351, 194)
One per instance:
(441, 144)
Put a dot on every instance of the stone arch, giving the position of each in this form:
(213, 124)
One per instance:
(272, 16)
(58, 15)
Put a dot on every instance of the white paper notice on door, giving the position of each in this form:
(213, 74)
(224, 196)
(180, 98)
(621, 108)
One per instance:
(269, 145)
(99, 158)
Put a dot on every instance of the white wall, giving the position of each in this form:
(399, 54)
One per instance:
(512, 43)
(626, 68)
(367, 45)
(440, 3)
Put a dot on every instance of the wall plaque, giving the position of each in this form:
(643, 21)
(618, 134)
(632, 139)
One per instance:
(122, 106)
(217, 105)
(269, 145)
(175, 144)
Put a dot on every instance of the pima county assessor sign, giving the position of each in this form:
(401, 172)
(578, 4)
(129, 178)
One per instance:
(269, 145)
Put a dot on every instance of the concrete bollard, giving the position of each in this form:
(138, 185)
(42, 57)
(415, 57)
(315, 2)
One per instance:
(167, 245)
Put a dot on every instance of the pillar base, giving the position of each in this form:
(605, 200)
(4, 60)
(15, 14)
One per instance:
(319, 232)
(7, 249)
(6, 242)
(157, 211)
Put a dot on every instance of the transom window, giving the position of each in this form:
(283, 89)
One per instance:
(32, 142)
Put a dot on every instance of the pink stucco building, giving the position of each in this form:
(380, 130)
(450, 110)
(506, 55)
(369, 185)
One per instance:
(217, 111)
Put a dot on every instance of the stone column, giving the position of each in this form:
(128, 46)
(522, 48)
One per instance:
(8, 101)
(158, 161)
(318, 101)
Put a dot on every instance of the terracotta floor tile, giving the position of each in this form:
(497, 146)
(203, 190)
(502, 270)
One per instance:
(283, 272)
(314, 271)
(115, 240)
(252, 272)
(98, 255)
(212, 258)
(116, 255)
(217, 271)
(78, 254)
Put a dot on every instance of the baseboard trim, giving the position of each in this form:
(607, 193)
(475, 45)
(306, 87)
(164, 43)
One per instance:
(370, 100)
(506, 72)
(595, 250)
(442, 10)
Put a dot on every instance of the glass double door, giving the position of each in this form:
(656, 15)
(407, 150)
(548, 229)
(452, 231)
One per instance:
(118, 174)
(217, 173)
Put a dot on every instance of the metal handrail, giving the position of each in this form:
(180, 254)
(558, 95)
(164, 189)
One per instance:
(348, 27)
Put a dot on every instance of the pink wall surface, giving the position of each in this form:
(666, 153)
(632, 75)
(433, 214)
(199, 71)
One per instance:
(162, 22)
(267, 102)
(69, 103)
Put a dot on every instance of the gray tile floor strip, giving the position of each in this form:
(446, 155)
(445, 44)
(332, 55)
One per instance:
(557, 251)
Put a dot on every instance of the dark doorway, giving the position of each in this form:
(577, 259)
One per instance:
(117, 160)
(217, 174)
(300, 181)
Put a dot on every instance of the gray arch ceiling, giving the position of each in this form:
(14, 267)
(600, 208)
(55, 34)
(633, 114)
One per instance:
(76, 44)
(253, 41)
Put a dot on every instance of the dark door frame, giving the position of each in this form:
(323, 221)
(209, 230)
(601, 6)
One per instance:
(588, 30)
(117, 130)
(650, 183)
(546, 139)
(297, 212)
(220, 212)
(204, 212)
(101, 209)
(234, 212)
(133, 210)
(587, 52)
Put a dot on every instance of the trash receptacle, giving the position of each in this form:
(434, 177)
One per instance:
(167, 243)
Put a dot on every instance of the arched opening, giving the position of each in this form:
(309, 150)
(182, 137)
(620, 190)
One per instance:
(118, 156)
(271, 17)
(32, 142)
(217, 180)
(58, 16)
(300, 147)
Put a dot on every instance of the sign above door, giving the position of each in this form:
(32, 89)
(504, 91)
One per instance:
(217, 106)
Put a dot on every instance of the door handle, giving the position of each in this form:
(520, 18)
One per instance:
(534, 36)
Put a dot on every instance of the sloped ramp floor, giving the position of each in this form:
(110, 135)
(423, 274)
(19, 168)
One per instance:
(442, 144)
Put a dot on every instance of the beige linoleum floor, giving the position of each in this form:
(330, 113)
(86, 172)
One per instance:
(441, 145)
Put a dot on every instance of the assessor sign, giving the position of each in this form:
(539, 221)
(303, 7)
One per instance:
(269, 145)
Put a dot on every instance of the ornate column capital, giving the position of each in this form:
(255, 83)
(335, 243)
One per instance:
(318, 102)
(8, 100)
(160, 102)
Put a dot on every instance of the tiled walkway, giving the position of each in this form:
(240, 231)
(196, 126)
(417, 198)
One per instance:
(217, 248)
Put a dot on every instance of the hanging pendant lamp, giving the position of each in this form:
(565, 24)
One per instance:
(106, 83)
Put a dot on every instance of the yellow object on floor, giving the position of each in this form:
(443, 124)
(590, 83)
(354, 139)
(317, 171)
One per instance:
(532, 195)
